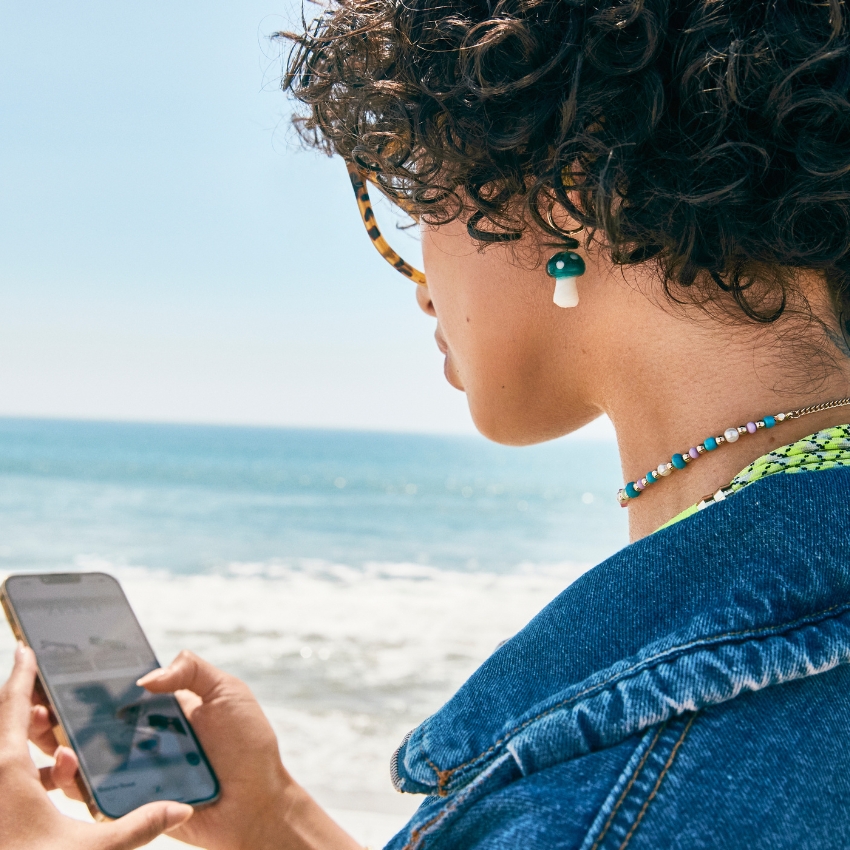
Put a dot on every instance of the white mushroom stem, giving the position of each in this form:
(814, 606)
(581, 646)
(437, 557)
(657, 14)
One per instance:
(566, 292)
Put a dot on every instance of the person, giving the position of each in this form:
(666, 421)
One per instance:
(632, 207)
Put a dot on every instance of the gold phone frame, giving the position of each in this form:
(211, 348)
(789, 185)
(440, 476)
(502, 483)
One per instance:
(58, 729)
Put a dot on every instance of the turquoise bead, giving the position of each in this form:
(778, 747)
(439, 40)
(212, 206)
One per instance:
(651, 478)
(769, 421)
(710, 444)
(565, 264)
(631, 491)
(678, 461)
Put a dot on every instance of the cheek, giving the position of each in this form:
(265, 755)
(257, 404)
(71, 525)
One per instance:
(486, 308)
(502, 332)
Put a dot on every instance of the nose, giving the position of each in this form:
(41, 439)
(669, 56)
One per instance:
(423, 299)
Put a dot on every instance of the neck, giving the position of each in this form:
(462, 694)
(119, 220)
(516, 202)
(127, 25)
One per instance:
(696, 380)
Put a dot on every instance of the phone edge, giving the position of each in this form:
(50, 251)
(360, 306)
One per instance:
(200, 804)
(62, 737)
(58, 729)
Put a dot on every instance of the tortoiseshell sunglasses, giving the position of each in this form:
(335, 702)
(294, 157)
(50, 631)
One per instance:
(358, 183)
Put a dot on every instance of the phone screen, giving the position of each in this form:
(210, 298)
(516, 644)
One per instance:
(133, 746)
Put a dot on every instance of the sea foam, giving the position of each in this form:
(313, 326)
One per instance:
(343, 660)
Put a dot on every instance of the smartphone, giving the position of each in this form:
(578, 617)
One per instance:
(133, 746)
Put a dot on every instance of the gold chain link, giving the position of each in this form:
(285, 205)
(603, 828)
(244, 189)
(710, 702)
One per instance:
(817, 408)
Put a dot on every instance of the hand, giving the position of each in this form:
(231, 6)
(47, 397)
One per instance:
(260, 806)
(28, 818)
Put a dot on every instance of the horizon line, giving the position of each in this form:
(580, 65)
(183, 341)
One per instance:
(581, 434)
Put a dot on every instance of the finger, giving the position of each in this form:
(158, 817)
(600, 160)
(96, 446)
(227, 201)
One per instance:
(40, 720)
(16, 697)
(71, 790)
(41, 729)
(143, 825)
(63, 774)
(186, 672)
(39, 697)
(188, 702)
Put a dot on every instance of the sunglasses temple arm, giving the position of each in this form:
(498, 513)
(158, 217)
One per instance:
(358, 183)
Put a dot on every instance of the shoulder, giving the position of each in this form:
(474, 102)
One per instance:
(768, 770)
(665, 639)
(552, 808)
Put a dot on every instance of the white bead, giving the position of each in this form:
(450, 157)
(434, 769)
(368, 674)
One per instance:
(566, 292)
(731, 434)
(663, 469)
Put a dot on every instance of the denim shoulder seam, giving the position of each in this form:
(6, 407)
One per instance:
(419, 834)
(634, 771)
(667, 765)
(444, 776)
(630, 800)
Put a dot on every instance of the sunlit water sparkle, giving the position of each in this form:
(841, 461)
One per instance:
(353, 580)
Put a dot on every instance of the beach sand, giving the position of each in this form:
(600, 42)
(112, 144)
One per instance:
(344, 662)
(371, 829)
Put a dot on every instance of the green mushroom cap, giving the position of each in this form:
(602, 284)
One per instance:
(565, 264)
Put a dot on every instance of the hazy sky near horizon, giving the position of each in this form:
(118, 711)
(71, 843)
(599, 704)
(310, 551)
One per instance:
(166, 250)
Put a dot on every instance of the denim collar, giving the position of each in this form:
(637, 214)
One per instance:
(750, 594)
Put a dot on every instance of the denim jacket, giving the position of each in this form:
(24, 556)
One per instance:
(693, 691)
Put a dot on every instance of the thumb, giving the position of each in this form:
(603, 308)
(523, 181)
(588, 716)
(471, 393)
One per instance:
(16, 697)
(143, 825)
(187, 672)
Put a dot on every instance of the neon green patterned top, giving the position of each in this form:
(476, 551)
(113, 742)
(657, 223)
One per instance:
(825, 449)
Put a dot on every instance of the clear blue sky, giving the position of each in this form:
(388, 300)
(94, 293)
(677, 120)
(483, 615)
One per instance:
(166, 250)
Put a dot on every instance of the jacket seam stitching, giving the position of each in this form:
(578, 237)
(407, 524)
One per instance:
(664, 771)
(604, 831)
(444, 776)
(420, 833)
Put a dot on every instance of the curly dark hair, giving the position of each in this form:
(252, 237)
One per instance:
(711, 135)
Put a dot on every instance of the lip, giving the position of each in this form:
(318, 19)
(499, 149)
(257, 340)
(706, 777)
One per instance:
(441, 343)
(448, 370)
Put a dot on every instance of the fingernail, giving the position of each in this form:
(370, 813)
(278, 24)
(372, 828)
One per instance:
(150, 677)
(176, 814)
(20, 650)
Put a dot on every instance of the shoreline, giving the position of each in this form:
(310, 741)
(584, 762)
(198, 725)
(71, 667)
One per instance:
(371, 829)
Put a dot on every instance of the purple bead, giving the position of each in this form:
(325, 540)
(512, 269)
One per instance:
(693, 452)
(638, 485)
(752, 427)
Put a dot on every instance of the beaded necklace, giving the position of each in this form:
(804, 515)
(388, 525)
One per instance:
(731, 435)
(826, 449)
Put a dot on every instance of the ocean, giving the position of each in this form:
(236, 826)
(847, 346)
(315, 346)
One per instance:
(353, 579)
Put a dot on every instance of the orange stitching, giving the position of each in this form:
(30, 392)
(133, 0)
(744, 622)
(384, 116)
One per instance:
(628, 788)
(414, 835)
(420, 831)
(658, 782)
(443, 776)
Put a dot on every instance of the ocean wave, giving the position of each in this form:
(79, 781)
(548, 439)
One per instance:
(343, 659)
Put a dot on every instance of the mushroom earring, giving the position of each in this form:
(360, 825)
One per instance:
(565, 267)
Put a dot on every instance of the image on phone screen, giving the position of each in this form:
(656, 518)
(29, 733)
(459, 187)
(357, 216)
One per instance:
(133, 746)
